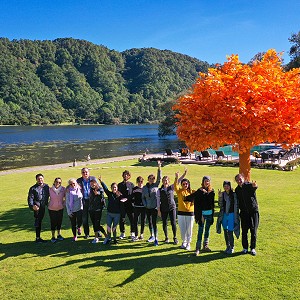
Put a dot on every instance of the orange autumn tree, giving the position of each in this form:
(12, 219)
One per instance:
(242, 105)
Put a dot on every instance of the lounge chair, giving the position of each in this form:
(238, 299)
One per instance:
(257, 156)
(221, 154)
(206, 154)
(168, 152)
(184, 152)
(265, 156)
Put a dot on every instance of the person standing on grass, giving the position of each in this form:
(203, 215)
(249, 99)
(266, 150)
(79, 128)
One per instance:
(149, 198)
(138, 209)
(38, 197)
(125, 188)
(114, 197)
(96, 204)
(249, 213)
(228, 216)
(85, 184)
(74, 205)
(56, 208)
(185, 210)
(204, 203)
(166, 206)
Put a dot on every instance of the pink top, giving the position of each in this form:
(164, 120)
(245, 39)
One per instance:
(57, 198)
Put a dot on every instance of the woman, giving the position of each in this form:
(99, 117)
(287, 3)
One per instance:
(204, 202)
(166, 206)
(149, 198)
(96, 204)
(74, 205)
(185, 210)
(228, 216)
(113, 210)
(56, 208)
(138, 208)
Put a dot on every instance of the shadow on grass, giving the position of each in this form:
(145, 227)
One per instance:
(141, 257)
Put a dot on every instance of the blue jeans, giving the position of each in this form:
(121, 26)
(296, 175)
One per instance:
(112, 220)
(208, 220)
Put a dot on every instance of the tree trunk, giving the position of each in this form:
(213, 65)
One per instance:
(245, 167)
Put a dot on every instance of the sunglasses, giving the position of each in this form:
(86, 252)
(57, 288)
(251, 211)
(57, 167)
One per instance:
(73, 183)
(58, 182)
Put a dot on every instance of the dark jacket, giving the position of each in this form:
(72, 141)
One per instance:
(38, 196)
(136, 197)
(97, 202)
(113, 201)
(126, 188)
(232, 209)
(202, 201)
(167, 201)
(246, 195)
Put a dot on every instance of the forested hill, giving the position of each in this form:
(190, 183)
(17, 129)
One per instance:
(45, 82)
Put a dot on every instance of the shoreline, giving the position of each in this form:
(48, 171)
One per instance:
(69, 164)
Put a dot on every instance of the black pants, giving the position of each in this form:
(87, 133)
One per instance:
(76, 221)
(126, 210)
(249, 221)
(38, 217)
(56, 217)
(139, 211)
(85, 217)
(152, 219)
(96, 219)
(172, 215)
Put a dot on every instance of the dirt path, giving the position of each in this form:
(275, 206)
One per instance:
(70, 164)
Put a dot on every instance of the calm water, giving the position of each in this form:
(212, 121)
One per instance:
(22, 146)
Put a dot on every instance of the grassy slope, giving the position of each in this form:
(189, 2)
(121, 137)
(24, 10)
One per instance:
(82, 270)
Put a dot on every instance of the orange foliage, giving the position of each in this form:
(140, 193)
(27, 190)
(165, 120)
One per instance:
(242, 105)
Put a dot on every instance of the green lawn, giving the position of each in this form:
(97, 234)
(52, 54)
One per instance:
(81, 270)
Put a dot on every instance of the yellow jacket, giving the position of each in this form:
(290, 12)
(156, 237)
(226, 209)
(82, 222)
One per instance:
(184, 208)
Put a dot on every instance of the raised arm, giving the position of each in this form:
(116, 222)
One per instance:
(158, 174)
(106, 190)
(182, 176)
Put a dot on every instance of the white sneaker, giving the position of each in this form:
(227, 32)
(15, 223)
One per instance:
(95, 241)
(141, 237)
(188, 246)
(183, 245)
(122, 236)
(151, 239)
(253, 252)
(132, 234)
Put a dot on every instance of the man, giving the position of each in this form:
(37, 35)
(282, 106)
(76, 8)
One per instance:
(249, 214)
(38, 197)
(126, 187)
(85, 184)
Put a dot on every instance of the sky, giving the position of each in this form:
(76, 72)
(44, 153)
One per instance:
(205, 29)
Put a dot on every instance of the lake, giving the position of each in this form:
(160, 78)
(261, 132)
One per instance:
(23, 146)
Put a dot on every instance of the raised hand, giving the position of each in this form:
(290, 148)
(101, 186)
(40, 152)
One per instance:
(254, 184)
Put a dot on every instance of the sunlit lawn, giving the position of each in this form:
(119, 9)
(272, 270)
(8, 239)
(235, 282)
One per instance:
(81, 270)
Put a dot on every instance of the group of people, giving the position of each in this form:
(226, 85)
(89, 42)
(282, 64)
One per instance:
(84, 198)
